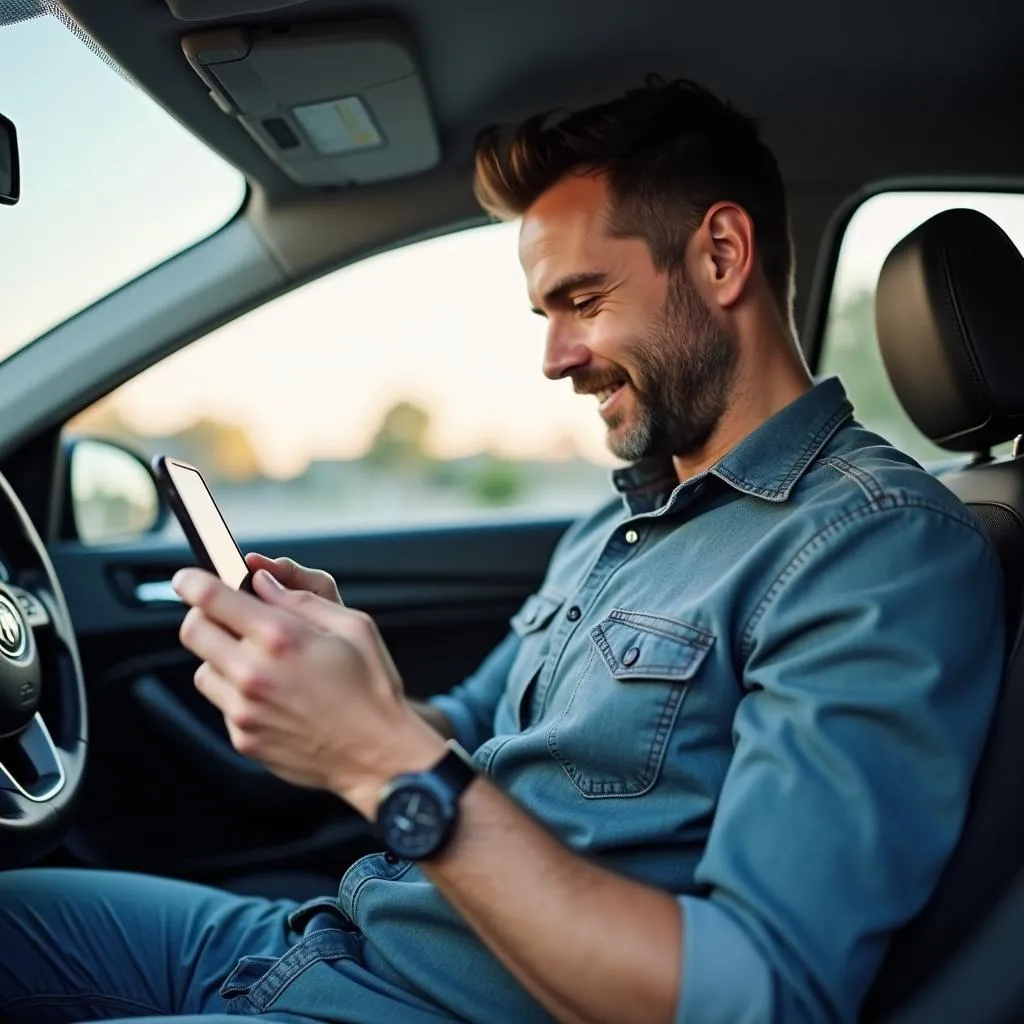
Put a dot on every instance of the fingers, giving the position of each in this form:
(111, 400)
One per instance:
(313, 608)
(241, 722)
(234, 673)
(229, 676)
(256, 561)
(288, 571)
(295, 576)
(216, 689)
(206, 639)
(354, 626)
(233, 611)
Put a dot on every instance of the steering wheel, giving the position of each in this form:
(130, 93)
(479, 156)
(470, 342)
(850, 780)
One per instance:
(42, 695)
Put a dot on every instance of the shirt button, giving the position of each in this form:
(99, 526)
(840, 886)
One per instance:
(573, 613)
(632, 536)
(629, 658)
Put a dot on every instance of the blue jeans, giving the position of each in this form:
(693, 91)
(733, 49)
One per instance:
(86, 946)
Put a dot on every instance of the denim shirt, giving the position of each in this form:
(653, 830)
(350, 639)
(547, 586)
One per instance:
(763, 690)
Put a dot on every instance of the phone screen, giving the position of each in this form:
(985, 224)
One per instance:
(209, 524)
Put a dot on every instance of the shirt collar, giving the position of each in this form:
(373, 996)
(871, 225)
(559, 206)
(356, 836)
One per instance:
(768, 462)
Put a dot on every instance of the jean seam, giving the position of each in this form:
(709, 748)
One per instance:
(363, 882)
(648, 623)
(114, 1002)
(265, 992)
(889, 501)
(671, 672)
(872, 489)
(643, 779)
(547, 603)
(803, 462)
(492, 753)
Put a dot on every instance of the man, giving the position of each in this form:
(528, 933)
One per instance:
(725, 749)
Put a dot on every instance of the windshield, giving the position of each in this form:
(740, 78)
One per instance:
(111, 184)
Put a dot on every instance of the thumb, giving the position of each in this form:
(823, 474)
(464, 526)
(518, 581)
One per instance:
(283, 569)
(316, 610)
(295, 576)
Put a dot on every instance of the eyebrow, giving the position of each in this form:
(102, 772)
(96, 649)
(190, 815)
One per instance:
(557, 294)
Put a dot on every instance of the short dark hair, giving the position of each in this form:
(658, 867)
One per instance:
(670, 151)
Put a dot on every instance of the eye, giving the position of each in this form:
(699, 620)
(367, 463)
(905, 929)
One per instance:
(585, 307)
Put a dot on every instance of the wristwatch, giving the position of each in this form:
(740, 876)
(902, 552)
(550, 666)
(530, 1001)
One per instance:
(417, 811)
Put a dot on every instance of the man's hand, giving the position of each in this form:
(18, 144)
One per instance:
(296, 577)
(305, 685)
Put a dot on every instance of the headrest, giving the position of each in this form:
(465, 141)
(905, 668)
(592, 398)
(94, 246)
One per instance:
(950, 316)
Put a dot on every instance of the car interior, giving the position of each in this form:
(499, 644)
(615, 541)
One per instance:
(353, 126)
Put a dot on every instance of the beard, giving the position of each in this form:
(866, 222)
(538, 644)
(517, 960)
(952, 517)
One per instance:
(685, 366)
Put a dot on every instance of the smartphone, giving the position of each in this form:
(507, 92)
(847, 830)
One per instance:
(192, 504)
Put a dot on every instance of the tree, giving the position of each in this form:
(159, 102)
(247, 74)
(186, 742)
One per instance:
(401, 438)
(496, 482)
(223, 449)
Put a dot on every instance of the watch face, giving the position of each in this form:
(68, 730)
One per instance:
(412, 822)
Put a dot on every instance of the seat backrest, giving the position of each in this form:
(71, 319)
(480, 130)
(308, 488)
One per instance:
(951, 329)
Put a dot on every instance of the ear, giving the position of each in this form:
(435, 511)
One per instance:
(726, 252)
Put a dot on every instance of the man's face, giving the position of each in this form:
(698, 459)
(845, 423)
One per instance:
(643, 342)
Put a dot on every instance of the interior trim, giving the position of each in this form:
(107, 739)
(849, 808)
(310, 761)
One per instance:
(75, 362)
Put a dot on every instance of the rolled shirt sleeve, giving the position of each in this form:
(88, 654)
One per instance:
(871, 669)
(726, 978)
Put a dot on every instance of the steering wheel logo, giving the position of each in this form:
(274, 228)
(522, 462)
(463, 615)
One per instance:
(13, 639)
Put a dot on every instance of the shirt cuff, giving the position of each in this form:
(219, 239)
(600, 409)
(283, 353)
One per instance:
(726, 980)
(463, 724)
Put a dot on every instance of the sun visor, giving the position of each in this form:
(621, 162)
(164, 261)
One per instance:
(218, 10)
(331, 105)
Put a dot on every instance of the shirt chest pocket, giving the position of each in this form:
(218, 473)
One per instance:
(611, 735)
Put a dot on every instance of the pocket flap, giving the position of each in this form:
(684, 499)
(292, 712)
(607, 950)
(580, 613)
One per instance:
(638, 646)
(537, 611)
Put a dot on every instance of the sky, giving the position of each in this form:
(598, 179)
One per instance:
(112, 185)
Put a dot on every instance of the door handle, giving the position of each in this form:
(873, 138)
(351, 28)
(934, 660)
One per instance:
(155, 592)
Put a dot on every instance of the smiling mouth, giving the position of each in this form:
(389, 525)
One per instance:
(605, 393)
(606, 397)
(602, 393)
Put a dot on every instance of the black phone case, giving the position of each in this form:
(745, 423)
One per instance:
(177, 506)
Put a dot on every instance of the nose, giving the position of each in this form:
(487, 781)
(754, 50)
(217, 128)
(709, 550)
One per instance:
(564, 351)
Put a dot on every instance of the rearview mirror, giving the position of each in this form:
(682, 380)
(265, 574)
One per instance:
(10, 175)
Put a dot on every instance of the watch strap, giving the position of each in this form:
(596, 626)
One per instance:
(456, 769)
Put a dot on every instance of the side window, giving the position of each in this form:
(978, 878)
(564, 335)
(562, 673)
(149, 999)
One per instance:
(405, 388)
(850, 345)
